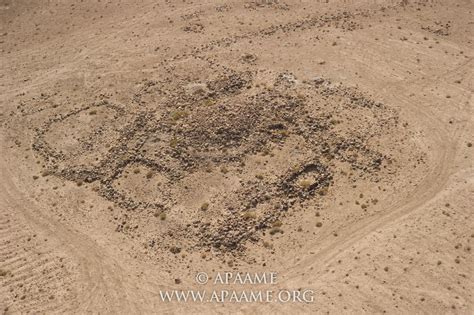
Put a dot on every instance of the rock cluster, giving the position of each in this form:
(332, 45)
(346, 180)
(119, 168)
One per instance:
(220, 123)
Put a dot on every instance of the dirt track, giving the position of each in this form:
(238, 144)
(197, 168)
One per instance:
(144, 142)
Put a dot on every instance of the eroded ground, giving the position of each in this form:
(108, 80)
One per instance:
(143, 142)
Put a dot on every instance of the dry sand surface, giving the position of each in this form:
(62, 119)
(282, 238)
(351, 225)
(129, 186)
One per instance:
(328, 142)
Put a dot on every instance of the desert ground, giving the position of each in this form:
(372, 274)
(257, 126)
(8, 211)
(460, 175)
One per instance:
(146, 142)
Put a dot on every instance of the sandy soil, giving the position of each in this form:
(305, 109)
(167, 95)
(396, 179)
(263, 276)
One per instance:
(329, 142)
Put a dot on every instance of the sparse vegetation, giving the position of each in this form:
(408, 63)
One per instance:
(175, 250)
(305, 183)
(208, 102)
(45, 173)
(277, 223)
(174, 142)
(323, 191)
(248, 215)
(275, 230)
(245, 138)
(180, 114)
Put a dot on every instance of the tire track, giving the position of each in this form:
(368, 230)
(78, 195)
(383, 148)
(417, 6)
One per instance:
(444, 153)
(32, 277)
(101, 282)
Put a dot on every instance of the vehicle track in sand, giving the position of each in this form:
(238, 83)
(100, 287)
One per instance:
(445, 145)
(104, 283)
(101, 283)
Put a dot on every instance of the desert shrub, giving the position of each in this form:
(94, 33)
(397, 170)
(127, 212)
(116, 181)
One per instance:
(275, 230)
(175, 250)
(177, 115)
(45, 173)
(247, 215)
(208, 102)
(305, 184)
(204, 206)
(281, 132)
(277, 223)
(174, 142)
(323, 191)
